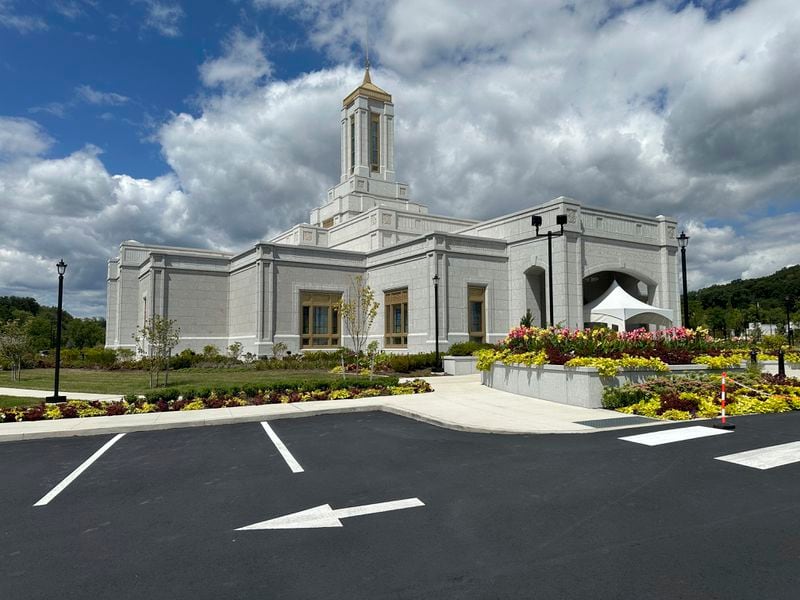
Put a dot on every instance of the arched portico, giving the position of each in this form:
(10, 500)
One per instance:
(623, 300)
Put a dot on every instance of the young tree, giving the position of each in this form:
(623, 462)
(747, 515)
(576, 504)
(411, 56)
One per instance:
(358, 312)
(14, 345)
(156, 338)
(235, 351)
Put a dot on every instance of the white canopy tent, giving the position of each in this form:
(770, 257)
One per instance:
(616, 306)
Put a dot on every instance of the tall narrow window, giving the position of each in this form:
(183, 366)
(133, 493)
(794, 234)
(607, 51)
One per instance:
(352, 143)
(319, 322)
(374, 142)
(396, 325)
(475, 314)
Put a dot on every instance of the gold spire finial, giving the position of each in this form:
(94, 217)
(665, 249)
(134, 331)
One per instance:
(367, 88)
(366, 54)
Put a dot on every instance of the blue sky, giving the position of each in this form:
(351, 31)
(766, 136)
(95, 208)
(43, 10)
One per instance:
(110, 47)
(215, 124)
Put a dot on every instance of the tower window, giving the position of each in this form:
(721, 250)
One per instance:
(374, 142)
(352, 143)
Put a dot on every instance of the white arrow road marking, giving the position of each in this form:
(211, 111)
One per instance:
(325, 516)
(74, 475)
(287, 456)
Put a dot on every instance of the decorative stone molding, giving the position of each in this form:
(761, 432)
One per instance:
(572, 215)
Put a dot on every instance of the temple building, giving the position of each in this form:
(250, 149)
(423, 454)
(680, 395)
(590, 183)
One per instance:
(608, 267)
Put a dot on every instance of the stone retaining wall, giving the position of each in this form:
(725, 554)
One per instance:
(577, 386)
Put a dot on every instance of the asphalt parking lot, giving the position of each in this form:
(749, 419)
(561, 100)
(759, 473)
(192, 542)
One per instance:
(413, 511)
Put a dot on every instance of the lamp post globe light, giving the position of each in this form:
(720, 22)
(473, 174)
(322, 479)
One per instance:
(438, 367)
(683, 241)
(61, 266)
(789, 305)
(536, 221)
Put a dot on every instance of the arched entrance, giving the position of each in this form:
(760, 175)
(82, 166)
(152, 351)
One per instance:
(622, 301)
(535, 295)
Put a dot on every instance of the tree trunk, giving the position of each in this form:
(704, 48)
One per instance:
(166, 371)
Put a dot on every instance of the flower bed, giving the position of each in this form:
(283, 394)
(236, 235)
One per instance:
(173, 400)
(574, 366)
(576, 386)
(557, 346)
(681, 398)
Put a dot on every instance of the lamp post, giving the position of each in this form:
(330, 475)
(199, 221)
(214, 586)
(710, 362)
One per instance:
(438, 368)
(62, 268)
(789, 305)
(536, 221)
(683, 241)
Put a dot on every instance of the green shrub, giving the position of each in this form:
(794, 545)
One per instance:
(467, 348)
(408, 363)
(626, 395)
(772, 343)
(400, 363)
(165, 394)
(183, 360)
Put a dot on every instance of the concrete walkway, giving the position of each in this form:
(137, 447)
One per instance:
(459, 402)
(22, 393)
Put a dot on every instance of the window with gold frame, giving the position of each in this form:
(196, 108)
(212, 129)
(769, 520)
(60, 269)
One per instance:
(319, 319)
(476, 301)
(396, 322)
(374, 142)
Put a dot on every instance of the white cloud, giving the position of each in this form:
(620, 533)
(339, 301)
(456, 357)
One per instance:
(19, 137)
(718, 254)
(242, 64)
(93, 96)
(164, 17)
(57, 109)
(11, 19)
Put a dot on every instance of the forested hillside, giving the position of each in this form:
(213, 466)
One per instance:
(40, 323)
(732, 305)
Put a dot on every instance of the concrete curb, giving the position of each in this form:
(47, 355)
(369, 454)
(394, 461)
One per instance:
(208, 417)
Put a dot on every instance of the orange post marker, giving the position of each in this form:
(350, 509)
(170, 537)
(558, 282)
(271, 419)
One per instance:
(724, 424)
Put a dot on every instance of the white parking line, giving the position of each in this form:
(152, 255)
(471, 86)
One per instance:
(766, 458)
(287, 456)
(74, 475)
(669, 436)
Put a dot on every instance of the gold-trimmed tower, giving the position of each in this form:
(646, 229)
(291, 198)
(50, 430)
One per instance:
(367, 159)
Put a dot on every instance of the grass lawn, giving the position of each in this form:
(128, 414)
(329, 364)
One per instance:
(9, 401)
(137, 382)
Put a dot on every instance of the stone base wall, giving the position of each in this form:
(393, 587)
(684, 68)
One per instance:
(771, 366)
(460, 365)
(579, 386)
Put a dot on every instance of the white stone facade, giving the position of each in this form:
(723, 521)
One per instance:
(368, 226)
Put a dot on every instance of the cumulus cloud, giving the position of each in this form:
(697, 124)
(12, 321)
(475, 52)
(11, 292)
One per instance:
(21, 137)
(723, 253)
(242, 63)
(655, 108)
